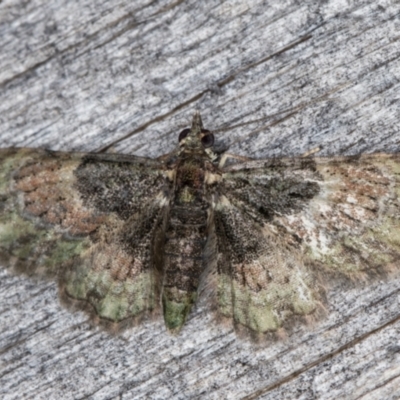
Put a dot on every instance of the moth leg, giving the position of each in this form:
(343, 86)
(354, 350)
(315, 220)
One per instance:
(226, 156)
(166, 157)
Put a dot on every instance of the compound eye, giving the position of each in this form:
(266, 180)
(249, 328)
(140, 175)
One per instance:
(208, 138)
(183, 134)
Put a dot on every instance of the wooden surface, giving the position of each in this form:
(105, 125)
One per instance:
(271, 78)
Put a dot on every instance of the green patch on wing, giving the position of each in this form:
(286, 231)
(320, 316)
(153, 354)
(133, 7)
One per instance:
(112, 299)
(8, 160)
(63, 251)
(263, 310)
(33, 250)
(376, 247)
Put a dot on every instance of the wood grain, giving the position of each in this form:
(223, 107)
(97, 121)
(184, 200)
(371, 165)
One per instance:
(271, 79)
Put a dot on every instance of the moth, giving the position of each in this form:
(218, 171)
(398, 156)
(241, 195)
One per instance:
(127, 236)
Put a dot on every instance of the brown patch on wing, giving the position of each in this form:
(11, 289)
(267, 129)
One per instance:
(48, 192)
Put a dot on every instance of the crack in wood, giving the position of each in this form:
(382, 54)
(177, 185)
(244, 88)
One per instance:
(318, 361)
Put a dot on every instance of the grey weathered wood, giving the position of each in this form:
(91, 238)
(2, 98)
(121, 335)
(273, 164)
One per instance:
(274, 78)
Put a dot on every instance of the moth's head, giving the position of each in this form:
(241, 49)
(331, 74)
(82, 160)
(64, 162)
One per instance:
(196, 139)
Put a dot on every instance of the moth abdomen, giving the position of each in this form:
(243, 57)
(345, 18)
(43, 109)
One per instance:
(185, 240)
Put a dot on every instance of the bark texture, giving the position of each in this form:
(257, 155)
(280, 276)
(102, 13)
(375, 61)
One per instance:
(270, 79)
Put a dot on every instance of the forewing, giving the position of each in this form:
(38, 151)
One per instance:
(331, 214)
(92, 221)
(272, 187)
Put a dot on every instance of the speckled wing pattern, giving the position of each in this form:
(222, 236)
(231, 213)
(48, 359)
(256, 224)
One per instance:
(127, 237)
(285, 224)
(83, 219)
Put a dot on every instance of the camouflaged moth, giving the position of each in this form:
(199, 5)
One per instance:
(127, 236)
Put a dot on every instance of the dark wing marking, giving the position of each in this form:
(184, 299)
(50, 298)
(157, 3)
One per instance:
(273, 187)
